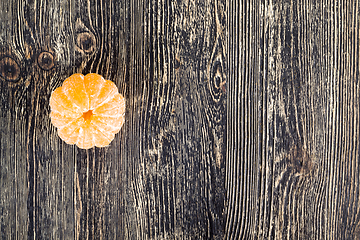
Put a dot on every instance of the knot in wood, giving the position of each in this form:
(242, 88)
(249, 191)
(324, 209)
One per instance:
(300, 160)
(86, 41)
(9, 69)
(46, 60)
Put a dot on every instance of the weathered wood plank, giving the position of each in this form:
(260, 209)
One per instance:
(162, 177)
(242, 120)
(293, 165)
(14, 126)
(178, 172)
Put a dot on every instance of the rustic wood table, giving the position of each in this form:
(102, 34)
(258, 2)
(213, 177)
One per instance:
(242, 120)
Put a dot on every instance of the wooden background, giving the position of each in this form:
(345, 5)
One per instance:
(242, 120)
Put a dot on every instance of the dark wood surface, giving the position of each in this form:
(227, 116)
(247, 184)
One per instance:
(293, 166)
(242, 120)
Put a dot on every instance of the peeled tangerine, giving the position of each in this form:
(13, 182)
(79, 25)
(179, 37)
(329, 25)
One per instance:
(87, 110)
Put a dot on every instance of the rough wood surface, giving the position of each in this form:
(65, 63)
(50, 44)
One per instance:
(163, 175)
(293, 167)
(242, 120)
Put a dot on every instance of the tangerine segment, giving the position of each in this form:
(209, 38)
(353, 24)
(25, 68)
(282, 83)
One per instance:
(113, 107)
(93, 84)
(59, 120)
(89, 137)
(61, 104)
(70, 133)
(86, 137)
(107, 91)
(74, 89)
(103, 139)
(108, 124)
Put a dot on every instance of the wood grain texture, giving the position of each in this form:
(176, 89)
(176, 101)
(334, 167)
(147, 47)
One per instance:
(293, 120)
(163, 175)
(242, 120)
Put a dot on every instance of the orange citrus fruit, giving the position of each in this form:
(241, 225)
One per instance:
(87, 110)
